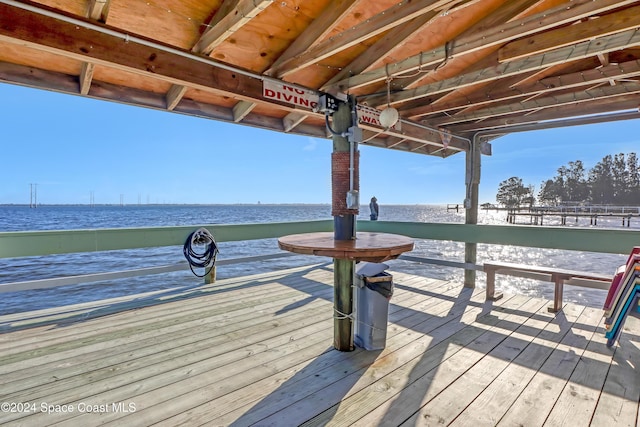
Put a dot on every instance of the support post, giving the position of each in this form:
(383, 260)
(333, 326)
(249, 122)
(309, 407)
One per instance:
(471, 215)
(211, 276)
(344, 221)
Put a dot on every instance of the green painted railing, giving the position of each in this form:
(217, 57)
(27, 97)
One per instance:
(39, 243)
(567, 238)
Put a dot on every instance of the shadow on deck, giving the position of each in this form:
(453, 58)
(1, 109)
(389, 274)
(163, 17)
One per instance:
(258, 350)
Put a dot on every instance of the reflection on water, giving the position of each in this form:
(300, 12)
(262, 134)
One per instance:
(19, 218)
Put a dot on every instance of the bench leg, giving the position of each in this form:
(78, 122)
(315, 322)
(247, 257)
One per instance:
(557, 295)
(491, 286)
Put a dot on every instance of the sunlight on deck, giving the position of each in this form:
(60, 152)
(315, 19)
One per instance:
(258, 350)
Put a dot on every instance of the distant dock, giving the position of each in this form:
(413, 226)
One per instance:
(537, 215)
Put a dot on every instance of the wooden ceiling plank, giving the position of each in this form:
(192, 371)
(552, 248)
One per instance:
(241, 109)
(232, 15)
(624, 20)
(174, 95)
(382, 47)
(316, 31)
(582, 50)
(496, 36)
(396, 15)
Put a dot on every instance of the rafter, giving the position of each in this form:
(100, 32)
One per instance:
(174, 96)
(293, 119)
(232, 15)
(382, 47)
(541, 103)
(316, 31)
(241, 109)
(496, 36)
(503, 91)
(98, 10)
(86, 76)
(624, 102)
(627, 19)
(399, 14)
(536, 62)
(507, 13)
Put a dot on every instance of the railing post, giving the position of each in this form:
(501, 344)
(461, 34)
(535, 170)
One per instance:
(558, 281)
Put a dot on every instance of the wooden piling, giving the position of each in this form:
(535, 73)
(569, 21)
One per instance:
(344, 229)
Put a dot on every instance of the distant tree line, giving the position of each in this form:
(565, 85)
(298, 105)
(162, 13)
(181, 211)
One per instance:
(615, 180)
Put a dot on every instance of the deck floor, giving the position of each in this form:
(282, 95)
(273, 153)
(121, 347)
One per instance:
(257, 350)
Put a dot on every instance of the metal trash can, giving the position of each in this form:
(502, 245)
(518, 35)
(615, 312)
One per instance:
(372, 295)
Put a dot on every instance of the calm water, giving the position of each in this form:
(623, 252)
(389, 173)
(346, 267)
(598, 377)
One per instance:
(20, 218)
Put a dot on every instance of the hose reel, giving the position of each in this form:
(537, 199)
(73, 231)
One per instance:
(201, 250)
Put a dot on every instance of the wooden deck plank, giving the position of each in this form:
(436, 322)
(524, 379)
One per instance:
(448, 404)
(537, 400)
(577, 402)
(498, 396)
(434, 372)
(257, 350)
(198, 390)
(618, 403)
(227, 298)
(310, 397)
(208, 322)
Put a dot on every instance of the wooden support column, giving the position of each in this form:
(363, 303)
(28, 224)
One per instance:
(344, 228)
(471, 204)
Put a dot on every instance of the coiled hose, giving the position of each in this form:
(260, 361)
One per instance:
(201, 250)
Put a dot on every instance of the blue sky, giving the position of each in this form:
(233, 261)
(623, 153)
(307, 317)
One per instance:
(72, 146)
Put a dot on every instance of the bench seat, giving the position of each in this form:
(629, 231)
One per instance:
(558, 276)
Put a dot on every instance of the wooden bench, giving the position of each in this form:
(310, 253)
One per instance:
(559, 277)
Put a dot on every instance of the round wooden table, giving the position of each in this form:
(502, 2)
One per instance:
(372, 247)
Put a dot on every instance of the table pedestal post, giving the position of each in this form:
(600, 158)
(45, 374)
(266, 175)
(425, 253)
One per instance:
(343, 179)
(343, 270)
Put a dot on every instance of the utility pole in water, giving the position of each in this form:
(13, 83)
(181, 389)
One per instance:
(33, 195)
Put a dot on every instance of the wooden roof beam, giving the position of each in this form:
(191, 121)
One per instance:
(579, 51)
(230, 17)
(292, 120)
(551, 18)
(487, 20)
(86, 43)
(623, 20)
(316, 31)
(396, 15)
(98, 10)
(241, 109)
(506, 92)
(541, 103)
(86, 76)
(601, 106)
(382, 47)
